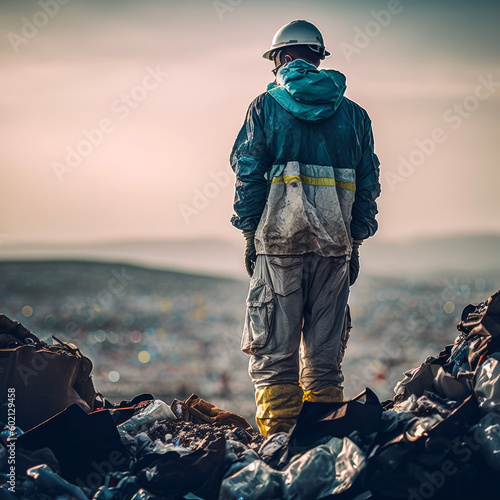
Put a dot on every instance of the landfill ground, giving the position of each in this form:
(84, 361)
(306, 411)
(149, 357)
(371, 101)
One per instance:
(173, 334)
(176, 335)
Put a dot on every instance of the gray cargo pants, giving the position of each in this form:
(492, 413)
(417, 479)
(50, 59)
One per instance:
(297, 301)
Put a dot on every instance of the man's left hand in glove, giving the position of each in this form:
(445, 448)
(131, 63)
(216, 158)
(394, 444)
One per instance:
(250, 253)
(354, 262)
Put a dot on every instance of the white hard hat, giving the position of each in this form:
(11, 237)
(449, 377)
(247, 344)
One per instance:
(297, 32)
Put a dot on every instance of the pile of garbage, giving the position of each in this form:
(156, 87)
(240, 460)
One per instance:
(438, 437)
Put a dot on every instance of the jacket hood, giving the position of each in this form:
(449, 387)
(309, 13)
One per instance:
(306, 92)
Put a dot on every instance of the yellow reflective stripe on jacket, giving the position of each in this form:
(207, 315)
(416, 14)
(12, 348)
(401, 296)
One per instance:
(314, 181)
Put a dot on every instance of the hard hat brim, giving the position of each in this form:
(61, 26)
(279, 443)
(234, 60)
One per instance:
(267, 53)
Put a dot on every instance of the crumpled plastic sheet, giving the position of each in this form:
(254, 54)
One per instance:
(439, 406)
(487, 386)
(447, 386)
(272, 446)
(389, 421)
(46, 478)
(408, 405)
(235, 464)
(421, 425)
(324, 470)
(417, 379)
(399, 388)
(157, 410)
(487, 434)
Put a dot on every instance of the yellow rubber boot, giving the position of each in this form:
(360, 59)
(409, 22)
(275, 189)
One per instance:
(278, 407)
(329, 394)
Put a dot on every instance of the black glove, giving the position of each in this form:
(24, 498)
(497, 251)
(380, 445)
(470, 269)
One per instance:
(250, 254)
(354, 262)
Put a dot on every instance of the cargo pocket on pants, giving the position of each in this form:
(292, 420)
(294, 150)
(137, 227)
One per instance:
(286, 274)
(259, 316)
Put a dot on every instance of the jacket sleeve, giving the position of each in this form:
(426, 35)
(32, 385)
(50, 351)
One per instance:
(364, 209)
(250, 163)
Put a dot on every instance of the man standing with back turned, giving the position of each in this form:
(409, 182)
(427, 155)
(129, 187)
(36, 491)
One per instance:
(307, 179)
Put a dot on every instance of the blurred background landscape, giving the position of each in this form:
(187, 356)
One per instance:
(172, 333)
(117, 119)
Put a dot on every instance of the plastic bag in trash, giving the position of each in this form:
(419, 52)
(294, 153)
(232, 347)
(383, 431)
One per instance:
(420, 425)
(246, 458)
(487, 386)
(487, 434)
(254, 482)
(48, 480)
(408, 405)
(273, 448)
(448, 386)
(157, 410)
(324, 470)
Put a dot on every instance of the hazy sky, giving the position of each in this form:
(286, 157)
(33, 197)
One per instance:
(168, 84)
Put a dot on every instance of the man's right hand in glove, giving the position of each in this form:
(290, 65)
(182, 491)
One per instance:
(354, 262)
(250, 254)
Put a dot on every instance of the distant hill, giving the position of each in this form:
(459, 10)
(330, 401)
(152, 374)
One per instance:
(203, 256)
(460, 254)
(478, 254)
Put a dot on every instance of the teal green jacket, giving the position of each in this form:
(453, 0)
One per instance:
(307, 176)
